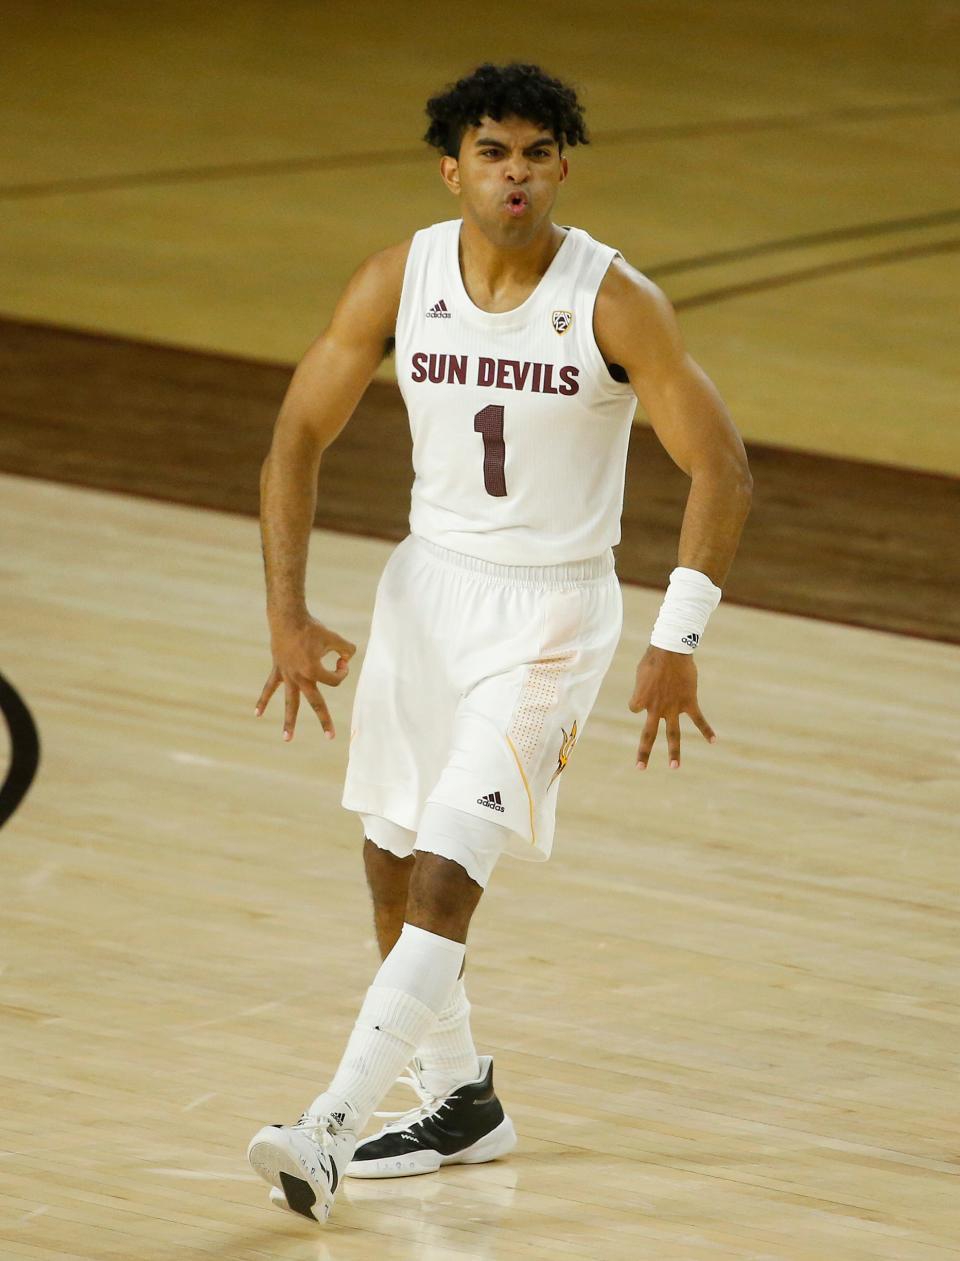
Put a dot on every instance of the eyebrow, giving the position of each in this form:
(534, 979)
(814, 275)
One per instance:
(486, 142)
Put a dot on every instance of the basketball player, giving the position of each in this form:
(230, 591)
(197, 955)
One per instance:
(522, 348)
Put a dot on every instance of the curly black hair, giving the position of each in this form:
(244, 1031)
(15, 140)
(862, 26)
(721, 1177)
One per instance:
(497, 92)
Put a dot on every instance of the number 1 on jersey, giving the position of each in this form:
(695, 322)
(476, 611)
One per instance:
(489, 423)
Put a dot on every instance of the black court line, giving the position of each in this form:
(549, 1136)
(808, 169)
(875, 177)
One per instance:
(779, 122)
(218, 171)
(24, 749)
(828, 236)
(402, 156)
(782, 279)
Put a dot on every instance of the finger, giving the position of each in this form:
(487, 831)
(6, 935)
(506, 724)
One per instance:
(673, 741)
(647, 737)
(271, 685)
(702, 725)
(291, 705)
(319, 707)
(332, 678)
(635, 703)
(343, 646)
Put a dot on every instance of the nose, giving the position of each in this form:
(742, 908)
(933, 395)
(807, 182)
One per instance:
(517, 168)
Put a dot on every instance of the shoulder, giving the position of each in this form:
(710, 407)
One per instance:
(633, 317)
(372, 294)
(627, 293)
(383, 271)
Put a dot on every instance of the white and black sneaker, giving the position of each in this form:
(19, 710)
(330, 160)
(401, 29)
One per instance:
(304, 1162)
(466, 1127)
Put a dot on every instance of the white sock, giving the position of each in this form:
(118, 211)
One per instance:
(401, 1006)
(447, 1055)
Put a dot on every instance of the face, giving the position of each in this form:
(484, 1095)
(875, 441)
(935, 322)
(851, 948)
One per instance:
(506, 175)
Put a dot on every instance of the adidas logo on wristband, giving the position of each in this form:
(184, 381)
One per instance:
(689, 600)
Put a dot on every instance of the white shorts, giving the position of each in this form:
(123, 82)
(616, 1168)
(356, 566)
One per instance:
(476, 844)
(476, 685)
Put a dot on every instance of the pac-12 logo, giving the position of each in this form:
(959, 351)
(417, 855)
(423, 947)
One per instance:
(562, 321)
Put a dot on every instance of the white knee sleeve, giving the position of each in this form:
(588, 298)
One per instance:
(474, 843)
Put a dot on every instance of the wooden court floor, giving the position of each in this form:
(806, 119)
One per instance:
(724, 1015)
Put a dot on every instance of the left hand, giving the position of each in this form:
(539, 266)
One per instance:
(666, 687)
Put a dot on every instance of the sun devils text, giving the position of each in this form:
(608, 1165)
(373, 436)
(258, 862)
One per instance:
(501, 374)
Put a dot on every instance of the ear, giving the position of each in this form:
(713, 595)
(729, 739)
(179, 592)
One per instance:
(564, 168)
(450, 174)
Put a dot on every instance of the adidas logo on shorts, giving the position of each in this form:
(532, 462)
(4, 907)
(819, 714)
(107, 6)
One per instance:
(438, 311)
(492, 800)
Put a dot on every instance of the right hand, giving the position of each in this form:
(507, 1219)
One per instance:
(298, 652)
(666, 687)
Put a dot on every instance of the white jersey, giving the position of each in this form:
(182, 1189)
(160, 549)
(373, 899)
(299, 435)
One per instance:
(520, 433)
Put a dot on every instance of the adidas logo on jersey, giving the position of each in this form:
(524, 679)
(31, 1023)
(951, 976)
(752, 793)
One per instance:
(438, 311)
(492, 800)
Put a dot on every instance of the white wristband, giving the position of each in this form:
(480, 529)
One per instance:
(691, 598)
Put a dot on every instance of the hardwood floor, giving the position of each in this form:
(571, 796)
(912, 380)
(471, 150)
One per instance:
(724, 1015)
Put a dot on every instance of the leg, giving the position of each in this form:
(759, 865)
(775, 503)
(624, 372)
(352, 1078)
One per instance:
(425, 889)
(455, 857)
(388, 878)
(447, 1056)
(306, 1162)
(409, 993)
(460, 1119)
(456, 854)
(441, 897)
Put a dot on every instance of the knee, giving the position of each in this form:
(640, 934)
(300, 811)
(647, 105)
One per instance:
(442, 896)
(443, 880)
(385, 871)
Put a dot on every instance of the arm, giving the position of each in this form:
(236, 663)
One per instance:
(325, 389)
(636, 327)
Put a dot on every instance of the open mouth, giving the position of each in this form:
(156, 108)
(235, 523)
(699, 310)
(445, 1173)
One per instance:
(517, 204)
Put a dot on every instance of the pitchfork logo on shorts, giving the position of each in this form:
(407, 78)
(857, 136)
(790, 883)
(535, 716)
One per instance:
(566, 748)
(561, 321)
